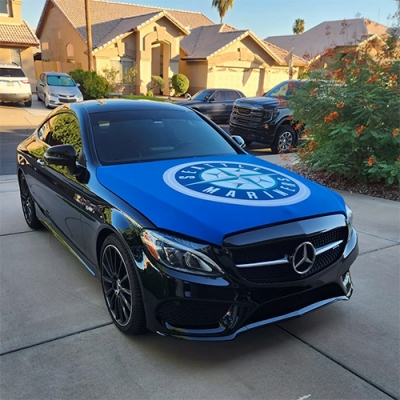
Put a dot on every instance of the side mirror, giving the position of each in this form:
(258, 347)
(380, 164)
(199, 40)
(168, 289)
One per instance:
(78, 84)
(239, 140)
(188, 96)
(63, 154)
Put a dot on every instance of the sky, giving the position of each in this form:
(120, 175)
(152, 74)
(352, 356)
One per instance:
(263, 17)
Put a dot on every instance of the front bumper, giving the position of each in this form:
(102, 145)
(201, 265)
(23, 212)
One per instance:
(55, 101)
(215, 309)
(254, 134)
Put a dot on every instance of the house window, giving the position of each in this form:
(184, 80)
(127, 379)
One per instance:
(15, 56)
(123, 66)
(70, 50)
(5, 7)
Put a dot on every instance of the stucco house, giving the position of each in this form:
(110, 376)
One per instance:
(341, 36)
(161, 42)
(17, 41)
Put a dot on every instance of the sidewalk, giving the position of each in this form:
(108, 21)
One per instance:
(58, 342)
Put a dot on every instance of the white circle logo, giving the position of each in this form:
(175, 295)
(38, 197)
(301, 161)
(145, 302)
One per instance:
(236, 183)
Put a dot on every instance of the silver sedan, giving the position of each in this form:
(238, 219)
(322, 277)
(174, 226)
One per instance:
(57, 88)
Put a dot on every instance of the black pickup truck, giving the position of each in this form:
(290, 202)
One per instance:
(267, 119)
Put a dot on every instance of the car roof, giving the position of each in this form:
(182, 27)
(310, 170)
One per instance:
(52, 73)
(232, 90)
(106, 105)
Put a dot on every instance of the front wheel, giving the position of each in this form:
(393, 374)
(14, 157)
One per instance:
(28, 103)
(47, 101)
(28, 205)
(121, 287)
(285, 140)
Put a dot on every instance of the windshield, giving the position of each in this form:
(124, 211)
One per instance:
(54, 80)
(284, 89)
(203, 95)
(148, 135)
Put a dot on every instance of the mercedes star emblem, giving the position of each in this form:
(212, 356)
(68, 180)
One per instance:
(303, 258)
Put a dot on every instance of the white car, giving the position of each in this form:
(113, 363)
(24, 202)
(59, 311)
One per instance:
(14, 85)
(56, 89)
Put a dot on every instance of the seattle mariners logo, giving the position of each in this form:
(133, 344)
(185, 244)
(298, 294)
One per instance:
(236, 183)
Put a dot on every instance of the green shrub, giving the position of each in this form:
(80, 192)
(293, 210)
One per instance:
(157, 82)
(93, 86)
(112, 76)
(352, 126)
(180, 83)
(149, 94)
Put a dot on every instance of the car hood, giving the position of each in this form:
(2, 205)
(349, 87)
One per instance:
(65, 90)
(258, 101)
(213, 197)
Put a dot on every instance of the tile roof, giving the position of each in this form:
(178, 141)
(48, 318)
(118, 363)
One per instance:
(106, 16)
(108, 32)
(112, 20)
(205, 41)
(17, 34)
(329, 34)
(282, 54)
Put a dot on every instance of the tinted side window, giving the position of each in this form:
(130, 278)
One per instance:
(63, 129)
(12, 72)
(232, 95)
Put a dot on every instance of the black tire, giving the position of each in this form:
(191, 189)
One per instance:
(38, 97)
(121, 287)
(285, 140)
(46, 102)
(28, 204)
(28, 103)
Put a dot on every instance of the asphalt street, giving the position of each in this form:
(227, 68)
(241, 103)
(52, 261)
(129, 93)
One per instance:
(58, 342)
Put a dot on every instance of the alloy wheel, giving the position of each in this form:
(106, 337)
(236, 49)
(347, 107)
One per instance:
(26, 201)
(116, 285)
(285, 141)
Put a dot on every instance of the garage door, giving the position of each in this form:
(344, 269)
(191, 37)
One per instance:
(244, 79)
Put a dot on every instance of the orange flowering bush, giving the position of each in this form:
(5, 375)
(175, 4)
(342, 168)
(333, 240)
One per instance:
(352, 111)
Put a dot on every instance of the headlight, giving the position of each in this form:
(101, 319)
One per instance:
(180, 254)
(270, 114)
(349, 220)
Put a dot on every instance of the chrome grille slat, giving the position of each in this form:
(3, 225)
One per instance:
(269, 261)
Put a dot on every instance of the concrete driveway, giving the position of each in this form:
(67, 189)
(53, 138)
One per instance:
(58, 342)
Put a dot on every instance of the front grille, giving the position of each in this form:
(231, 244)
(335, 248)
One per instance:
(251, 115)
(283, 249)
(66, 100)
(294, 302)
(189, 313)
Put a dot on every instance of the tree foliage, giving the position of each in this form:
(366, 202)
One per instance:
(112, 76)
(180, 83)
(93, 86)
(222, 6)
(298, 26)
(157, 82)
(351, 115)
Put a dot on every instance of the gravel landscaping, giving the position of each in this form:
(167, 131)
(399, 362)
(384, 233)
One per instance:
(391, 192)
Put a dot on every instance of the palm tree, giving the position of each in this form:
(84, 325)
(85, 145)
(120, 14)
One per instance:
(298, 26)
(222, 6)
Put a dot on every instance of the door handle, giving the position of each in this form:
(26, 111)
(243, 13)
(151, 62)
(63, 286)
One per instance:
(41, 162)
